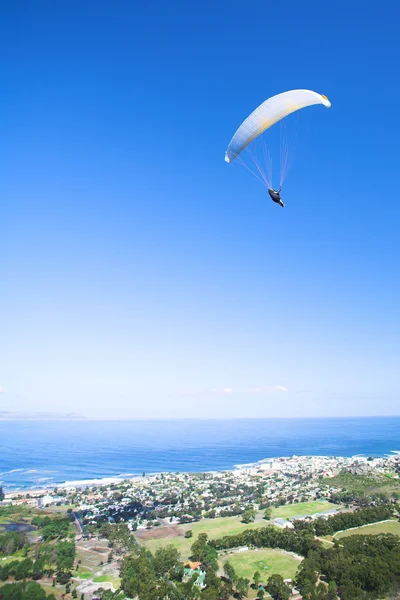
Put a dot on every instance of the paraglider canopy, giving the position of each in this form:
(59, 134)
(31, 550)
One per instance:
(267, 114)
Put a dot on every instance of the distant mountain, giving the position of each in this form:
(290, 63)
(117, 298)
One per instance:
(6, 415)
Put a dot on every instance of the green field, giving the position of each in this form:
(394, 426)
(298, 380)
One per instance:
(83, 575)
(18, 555)
(107, 579)
(302, 508)
(373, 529)
(266, 561)
(215, 528)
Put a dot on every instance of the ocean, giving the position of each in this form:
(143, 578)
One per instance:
(36, 454)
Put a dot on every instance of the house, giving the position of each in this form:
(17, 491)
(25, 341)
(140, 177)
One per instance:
(193, 568)
(283, 524)
(200, 581)
(48, 500)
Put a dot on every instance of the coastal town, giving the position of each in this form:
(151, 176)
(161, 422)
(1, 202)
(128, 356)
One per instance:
(177, 498)
(109, 520)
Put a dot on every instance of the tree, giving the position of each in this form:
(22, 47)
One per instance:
(202, 551)
(166, 559)
(242, 586)
(38, 568)
(65, 556)
(267, 514)
(257, 579)
(249, 515)
(188, 533)
(23, 591)
(332, 591)
(74, 593)
(230, 572)
(63, 578)
(1, 494)
(278, 589)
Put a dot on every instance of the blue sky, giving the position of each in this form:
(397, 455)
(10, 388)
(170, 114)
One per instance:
(143, 276)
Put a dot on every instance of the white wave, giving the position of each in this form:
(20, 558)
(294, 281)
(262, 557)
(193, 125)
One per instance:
(12, 471)
(91, 482)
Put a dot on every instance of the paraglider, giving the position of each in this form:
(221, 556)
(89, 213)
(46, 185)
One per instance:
(276, 196)
(271, 111)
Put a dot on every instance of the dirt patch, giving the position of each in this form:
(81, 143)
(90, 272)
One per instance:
(160, 532)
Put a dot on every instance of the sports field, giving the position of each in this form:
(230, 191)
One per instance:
(373, 529)
(302, 508)
(265, 561)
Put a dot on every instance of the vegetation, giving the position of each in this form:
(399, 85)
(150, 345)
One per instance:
(361, 567)
(52, 528)
(341, 521)
(249, 516)
(361, 489)
(118, 536)
(162, 576)
(48, 559)
(300, 542)
(26, 590)
(12, 541)
(278, 589)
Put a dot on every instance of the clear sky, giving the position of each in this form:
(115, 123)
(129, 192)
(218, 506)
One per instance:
(143, 276)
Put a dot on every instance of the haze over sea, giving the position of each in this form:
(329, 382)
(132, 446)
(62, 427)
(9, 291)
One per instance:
(35, 454)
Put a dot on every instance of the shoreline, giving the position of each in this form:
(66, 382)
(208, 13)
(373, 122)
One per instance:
(36, 491)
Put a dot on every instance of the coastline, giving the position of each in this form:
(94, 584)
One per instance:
(35, 456)
(262, 464)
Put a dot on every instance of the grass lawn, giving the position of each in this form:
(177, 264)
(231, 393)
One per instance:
(264, 560)
(373, 529)
(82, 575)
(102, 579)
(215, 528)
(302, 508)
(18, 555)
(107, 579)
